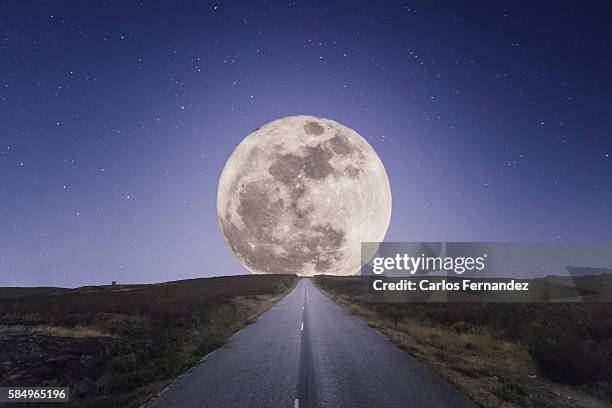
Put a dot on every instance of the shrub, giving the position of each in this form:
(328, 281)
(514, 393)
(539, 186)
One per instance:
(567, 358)
(463, 327)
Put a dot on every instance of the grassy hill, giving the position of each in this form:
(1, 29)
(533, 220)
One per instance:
(16, 292)
(501, 354)
(120, 345)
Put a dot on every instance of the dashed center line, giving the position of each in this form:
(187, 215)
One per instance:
(296, 403)
(302, 326)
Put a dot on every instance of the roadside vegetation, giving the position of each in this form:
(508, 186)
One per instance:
(120, 345)
(500, 354)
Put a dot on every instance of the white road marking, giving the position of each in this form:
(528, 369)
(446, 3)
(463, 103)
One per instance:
(296, 403)
(303, 307)
(302, 326)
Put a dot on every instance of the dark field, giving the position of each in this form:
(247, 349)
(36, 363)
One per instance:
(120, 345)
(8, 293)
(501, 354)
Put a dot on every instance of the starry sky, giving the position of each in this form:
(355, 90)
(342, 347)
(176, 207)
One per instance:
(116, 117)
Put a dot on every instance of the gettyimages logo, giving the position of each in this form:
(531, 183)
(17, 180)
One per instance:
(422, 263)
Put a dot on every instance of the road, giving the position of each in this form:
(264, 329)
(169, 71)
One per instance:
(307, 352)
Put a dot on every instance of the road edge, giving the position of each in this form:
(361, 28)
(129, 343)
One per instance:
(250, 320)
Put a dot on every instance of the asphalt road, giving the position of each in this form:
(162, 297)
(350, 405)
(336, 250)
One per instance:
(307, 352)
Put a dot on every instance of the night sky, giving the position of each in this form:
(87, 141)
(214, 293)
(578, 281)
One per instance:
(493, 121)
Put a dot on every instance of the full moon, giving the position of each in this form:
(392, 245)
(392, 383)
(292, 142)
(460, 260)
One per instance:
(299, 195)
